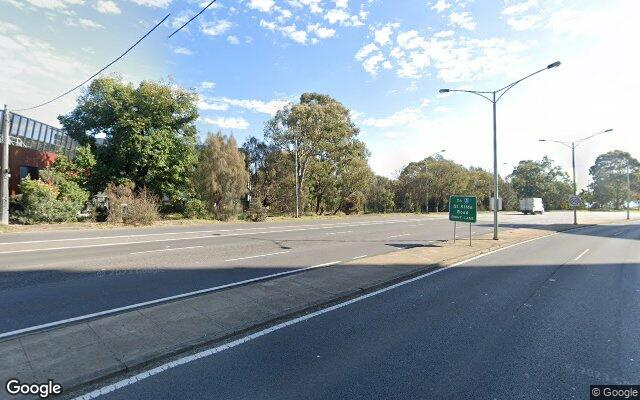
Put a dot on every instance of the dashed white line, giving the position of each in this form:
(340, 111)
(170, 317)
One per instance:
(258, 256)
(395, 236)
(172, 249)
(358, 257)
(338, 233)
(618, 233)
(581, 254)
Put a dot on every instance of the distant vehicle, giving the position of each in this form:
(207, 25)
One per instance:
(531, 205)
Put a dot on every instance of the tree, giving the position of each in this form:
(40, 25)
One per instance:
(609, 174)
(149, 134)
(221, 178)
(317, 127)
(380, 195)
(542, 179)
(480, 184)
(80, 169)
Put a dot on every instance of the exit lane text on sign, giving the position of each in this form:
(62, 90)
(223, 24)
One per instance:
(463, 208)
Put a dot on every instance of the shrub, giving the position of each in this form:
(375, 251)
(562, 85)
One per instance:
(52, 199)
(256, 212)
(195, 208)
(131, 208)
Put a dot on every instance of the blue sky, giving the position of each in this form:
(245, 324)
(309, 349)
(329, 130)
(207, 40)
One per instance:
(385, 60)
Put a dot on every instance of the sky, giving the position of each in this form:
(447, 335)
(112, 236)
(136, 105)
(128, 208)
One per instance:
(385, 60)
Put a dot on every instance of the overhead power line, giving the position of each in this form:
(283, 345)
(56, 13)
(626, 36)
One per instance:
(101, 70)
(192, 18)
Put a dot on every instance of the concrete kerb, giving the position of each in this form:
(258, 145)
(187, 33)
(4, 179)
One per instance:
(143, 362)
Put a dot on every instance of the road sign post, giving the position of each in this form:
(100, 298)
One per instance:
(575, 202)
(463, 209)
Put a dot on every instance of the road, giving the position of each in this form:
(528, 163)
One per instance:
(52, 276)
(542, 320)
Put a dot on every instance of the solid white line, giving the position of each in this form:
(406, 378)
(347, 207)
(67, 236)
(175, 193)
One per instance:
(581, 254)
(174, 249)
(156, 301)
(358, 257)
(209, 352)
(395, 236)
(176, 239)
(258, 256)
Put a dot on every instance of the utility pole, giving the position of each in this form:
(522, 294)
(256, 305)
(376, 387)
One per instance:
(575, 188)
(628, 190)
(297, 184)
(4, 210)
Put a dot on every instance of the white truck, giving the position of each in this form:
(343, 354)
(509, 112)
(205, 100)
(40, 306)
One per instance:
(531, 205)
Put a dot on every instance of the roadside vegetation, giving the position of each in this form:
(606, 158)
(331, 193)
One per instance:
(141, 160)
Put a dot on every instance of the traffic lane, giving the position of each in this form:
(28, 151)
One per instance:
(225, 244)
(502, 328)
(80, 234)
(129, 279)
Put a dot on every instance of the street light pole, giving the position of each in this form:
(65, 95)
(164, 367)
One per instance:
(572, 146)
(494, 100)
(628, 190)
(297, 183)
(4, 171)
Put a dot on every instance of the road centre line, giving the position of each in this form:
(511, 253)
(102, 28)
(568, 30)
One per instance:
(164, 240)
(358, 257)
(156, 301)
(209, 352)
(581, 254)
(258, 256)
(395, 236)
(172, 249)
(338, 233)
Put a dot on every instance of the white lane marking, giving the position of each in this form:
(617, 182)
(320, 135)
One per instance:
(581, 254)
(395, 236)
(338, 233)
(258, 256)
(174, 239)
(156, 301)
(323, 226)
(245, 339)
(358, 257)
(617, 233)
(173, 249)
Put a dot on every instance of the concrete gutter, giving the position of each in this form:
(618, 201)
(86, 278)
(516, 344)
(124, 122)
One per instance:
(83, 354)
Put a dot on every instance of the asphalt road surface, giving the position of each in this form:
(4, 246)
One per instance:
(51, 276)
(542, 320)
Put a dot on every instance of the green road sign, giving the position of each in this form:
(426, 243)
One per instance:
(463, 208)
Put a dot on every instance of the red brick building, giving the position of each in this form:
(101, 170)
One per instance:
(33, 146)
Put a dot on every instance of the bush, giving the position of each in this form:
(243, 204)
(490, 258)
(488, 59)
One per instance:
(256, 212)
(131, 208)
(45, 202)
(195, 208)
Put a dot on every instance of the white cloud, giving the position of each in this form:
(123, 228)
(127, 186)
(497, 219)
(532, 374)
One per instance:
(403, 118)
(339, 15)
(182, 51)
(365, 51)
(227, 122)
(233, 39)
(342, 3)
(207, 85)
(519, 8)
(264, 107)
(382, 35)
(215, 28)
(50, 4)
(294, 34)
(84, 23)
(525, 22)
(262, 5)
(320, 31)
(440, 5)
(107, 7)
(463, 20)
(206, 106)
(153, 3)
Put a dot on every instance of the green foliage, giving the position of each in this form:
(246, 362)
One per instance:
(80, 169)
(379, 199)
(542, 179)
(609, 179)
(150, 134)
(256, 212)
(221, 178)
(52, 198)
(195, 209)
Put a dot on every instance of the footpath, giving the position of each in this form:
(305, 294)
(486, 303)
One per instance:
(81, 355)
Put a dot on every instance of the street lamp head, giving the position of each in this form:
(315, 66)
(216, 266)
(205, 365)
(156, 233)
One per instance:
(555, 64)
(542, 140)
(444, 90)
(442, 151)
(609, 130)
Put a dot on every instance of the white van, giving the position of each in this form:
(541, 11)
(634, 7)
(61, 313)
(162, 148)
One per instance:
(531, 205)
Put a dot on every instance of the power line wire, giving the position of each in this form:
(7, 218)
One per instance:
(192, 18)
(101, 70)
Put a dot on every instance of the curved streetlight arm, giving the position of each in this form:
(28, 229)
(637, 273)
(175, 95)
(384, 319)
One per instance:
(568, 144)
(509, 86)
(595, 134)
(469, 91)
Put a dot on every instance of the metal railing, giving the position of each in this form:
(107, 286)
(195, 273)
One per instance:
(32, 134)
